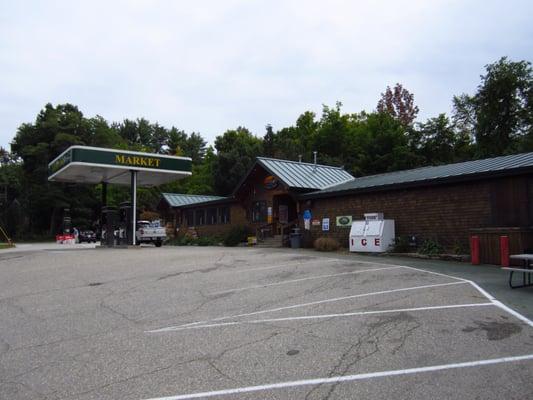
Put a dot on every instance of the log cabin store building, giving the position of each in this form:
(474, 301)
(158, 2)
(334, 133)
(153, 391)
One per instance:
(446, 204)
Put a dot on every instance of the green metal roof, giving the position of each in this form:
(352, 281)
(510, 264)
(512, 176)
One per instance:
(179, 200)
(305, 175)
(442, 173)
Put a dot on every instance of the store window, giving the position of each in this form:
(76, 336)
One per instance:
(259, 211)
(189, 218)
(199, 217)
(211, 216)
(223, 215)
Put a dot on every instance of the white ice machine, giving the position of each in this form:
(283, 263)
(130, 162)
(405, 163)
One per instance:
(374, 234)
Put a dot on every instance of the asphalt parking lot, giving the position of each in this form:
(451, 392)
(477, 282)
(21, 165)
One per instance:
(237, 323)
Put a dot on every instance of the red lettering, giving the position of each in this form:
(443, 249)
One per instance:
(376, 242)
(363, 242)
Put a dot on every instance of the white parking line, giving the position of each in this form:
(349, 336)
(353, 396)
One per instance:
(497, 303)
(327, 316)
(348, 378)
(312, 303)
(298, 264)
(302, 279)
(435, 273)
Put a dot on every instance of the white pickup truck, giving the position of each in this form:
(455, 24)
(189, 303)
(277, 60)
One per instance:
(150, 232)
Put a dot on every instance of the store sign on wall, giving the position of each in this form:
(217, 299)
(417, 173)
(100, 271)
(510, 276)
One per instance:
(344, 220)
(270, 182)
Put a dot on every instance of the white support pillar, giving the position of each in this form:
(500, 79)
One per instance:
(134, 205)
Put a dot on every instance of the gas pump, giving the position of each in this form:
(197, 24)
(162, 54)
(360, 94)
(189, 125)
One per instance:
(126, 220)
(67, 222)
(109, 224)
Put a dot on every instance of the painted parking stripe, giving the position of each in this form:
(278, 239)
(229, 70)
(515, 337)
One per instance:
(513, 312)
(328, 316)
(303, 279)
(349, 378)
(298, 264)
(497, 303)
(312, 303)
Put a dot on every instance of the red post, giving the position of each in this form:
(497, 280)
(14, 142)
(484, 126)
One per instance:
(474, 249)
(504, 250)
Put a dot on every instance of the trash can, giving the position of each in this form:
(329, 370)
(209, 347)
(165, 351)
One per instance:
(296, 238)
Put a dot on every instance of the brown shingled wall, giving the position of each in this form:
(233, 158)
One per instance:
(443, 213)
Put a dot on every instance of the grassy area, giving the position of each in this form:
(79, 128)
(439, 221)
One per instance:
(6, 246)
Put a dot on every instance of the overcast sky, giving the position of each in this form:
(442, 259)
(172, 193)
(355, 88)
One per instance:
(208, 66)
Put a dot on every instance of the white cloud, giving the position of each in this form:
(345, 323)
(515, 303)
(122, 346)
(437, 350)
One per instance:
(213, 65)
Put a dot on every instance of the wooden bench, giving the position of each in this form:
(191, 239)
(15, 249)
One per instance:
(526, 270)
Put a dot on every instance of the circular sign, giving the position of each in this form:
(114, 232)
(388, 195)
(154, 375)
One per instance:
(270, 182)
(344, 220)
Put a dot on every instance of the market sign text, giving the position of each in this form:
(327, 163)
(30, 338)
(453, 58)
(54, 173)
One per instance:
(137, 161)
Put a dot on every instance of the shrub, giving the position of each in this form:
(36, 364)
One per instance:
(181, 241)
(430, 247)
(207, 241)
(401, 244)
(458, 248)
(326, 244)
(235, 236)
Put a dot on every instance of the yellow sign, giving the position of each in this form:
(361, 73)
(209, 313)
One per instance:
(137, 161)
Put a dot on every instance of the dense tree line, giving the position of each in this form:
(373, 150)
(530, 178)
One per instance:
(496, 120)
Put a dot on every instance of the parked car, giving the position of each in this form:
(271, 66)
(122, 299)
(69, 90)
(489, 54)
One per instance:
(87, 236)
(150, 232)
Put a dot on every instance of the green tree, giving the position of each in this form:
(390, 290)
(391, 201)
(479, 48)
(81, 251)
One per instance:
(54, 130)
(333, 137)
(236, 152)
(268, 141)
(176, 142)
(500, 114)
(202, 179)
(441, 143)
(299, 140)
(195, 147)
(381, 144)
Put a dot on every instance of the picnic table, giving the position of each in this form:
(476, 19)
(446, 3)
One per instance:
(526, 270)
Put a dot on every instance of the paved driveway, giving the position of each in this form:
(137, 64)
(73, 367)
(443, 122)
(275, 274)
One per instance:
(193, 322)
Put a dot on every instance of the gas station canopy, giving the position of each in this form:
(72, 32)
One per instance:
(93, 165)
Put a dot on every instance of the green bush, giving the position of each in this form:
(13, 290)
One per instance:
(401, 244)
(326, 244)
(459, 248)
(430, 247)
(208, 241)
(235, 236)
(182, 241)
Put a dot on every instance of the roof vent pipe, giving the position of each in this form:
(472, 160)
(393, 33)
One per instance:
(314, 160)
(299, 158)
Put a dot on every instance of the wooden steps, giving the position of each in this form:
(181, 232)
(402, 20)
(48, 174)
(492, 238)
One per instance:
(270, 242)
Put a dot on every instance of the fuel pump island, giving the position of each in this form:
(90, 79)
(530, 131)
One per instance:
(94, 165)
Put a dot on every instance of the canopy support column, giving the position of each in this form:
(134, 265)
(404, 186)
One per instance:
(104, 194)
(133, 206)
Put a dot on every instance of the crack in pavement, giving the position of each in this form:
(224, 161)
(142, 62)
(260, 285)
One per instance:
(368, 344)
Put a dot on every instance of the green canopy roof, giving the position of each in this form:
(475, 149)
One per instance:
(83, 164)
